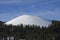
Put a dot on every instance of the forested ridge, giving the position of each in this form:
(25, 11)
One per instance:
(31, 32)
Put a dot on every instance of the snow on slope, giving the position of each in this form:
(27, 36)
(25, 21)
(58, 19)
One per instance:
(28, 19)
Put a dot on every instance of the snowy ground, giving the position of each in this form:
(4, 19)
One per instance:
(10, 38)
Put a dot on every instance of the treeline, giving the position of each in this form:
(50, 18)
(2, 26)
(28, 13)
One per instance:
(31, 32)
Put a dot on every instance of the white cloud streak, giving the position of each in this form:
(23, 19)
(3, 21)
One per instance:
(48, 14)
(27, 1)
(55, 14)
(15, 1)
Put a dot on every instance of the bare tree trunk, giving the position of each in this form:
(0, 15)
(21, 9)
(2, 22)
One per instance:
(53, 38)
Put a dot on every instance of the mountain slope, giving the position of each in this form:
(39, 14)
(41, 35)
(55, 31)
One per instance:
(28, 19)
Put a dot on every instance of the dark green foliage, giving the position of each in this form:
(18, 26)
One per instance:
(31, 32)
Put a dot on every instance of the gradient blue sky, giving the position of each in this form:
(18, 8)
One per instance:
(49, 9)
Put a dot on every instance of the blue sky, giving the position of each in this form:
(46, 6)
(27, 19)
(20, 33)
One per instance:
(49, 9)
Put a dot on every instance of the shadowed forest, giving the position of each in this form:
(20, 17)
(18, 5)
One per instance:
(31, 32)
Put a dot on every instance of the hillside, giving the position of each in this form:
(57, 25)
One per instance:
(29, 20)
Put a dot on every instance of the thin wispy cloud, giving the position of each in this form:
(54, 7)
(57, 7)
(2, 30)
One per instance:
(45, 8)
(16, 1)
(27, 1)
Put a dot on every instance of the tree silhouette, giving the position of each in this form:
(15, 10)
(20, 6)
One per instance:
(30, 32)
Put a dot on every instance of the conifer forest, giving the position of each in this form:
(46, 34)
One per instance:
(30, 32)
